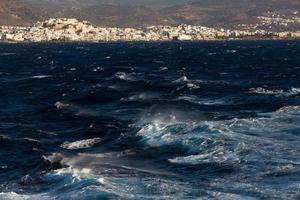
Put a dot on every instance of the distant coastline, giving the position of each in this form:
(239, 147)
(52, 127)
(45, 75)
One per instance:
(73, 30)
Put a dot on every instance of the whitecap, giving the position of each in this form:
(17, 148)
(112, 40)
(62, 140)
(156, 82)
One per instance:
(181, 79)
(163, 68)
(293, 91)
(181, 134)
(124, 76)
(54, 158)
(289, 109)
(100, 173)
(15, 196)
(220, 141)
(61, 105)
(217, 156)
(192, 86)
(262, 90)
(81, 144)
(277, 92)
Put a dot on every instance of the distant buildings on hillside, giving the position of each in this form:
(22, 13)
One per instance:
(63, 29)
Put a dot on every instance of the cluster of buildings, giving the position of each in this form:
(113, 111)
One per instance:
(274, 21)
(63, 29)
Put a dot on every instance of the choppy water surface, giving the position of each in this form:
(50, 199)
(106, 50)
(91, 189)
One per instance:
(217, 120)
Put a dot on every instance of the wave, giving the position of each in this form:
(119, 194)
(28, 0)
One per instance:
(99, 175)
(289, 110)
(276, 92)
(81, 144)
(293, 92)
(127, 186)
(15, 196)
(219, 156)
(261, 90)
(204, 142)
(221, 141)
(77, 184)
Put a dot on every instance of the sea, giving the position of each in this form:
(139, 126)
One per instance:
(155, 120)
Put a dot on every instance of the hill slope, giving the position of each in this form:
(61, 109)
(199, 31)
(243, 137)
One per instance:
(17, 12)
(214, 13)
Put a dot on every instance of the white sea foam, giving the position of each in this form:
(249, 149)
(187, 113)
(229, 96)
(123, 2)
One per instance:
(81, 144)
(192, 86)
(220, 155)
(262, 90)
(181, 79)
(163, 68)
(293, 91)
(54, 158)
(125, 76)
(193, 136)
(100, 173)
(289, 109)
(220, 141)
(61, 105)
(15, 196)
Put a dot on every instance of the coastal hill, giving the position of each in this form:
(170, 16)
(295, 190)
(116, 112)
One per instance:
(276, 15)
(17, 12)
(233, 13)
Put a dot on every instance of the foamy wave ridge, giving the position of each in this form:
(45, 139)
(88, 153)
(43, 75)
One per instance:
(262, 90)
(81, 144)
(219, 141)
(15, 196)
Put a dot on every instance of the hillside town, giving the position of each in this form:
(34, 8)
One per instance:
(64, 29)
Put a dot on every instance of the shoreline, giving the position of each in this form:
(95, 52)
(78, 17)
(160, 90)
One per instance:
(72, 30)
(152, 41)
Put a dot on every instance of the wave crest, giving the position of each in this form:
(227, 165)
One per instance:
(81, 144)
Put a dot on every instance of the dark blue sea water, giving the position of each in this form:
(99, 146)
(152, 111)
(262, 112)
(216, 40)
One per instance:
(209, 120)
